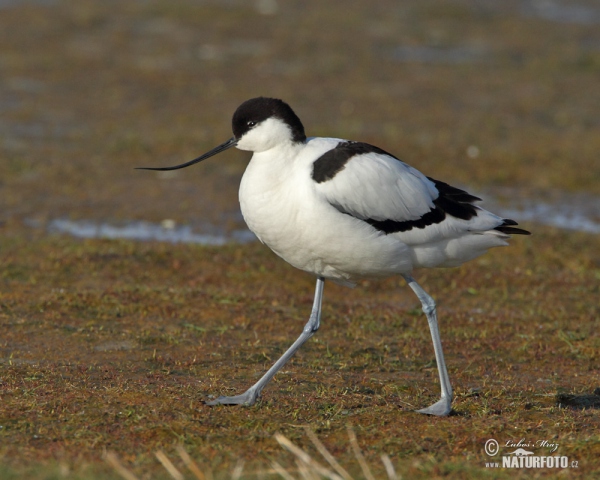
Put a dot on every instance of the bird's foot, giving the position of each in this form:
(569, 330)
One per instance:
(441, 408)
(247, 398)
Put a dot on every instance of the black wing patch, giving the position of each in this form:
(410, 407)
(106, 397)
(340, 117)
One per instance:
(451, 201)
(333, 161)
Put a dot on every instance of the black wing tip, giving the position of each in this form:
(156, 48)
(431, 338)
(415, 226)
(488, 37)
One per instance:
(508, 228)
(453, 193)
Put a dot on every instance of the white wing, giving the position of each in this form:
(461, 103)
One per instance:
(379, 187)
(438, 222)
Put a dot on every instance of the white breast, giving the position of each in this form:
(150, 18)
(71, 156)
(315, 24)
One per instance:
(282, 207)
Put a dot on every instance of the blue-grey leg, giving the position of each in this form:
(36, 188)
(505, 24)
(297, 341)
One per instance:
(444, 405)
(250, 396)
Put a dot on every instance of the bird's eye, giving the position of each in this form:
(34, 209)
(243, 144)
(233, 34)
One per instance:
(251, 123)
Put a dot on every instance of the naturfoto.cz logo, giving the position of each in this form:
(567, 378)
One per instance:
(520, 457)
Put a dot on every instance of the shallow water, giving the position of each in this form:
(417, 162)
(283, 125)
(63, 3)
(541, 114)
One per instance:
(166, 231)
(561, 11)
(564, 215)
(566, 211)
(569, 211)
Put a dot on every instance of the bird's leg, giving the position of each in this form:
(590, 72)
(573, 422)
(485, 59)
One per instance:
(250, 396)
(444, 405)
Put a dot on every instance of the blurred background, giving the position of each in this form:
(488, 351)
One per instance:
(500, 97)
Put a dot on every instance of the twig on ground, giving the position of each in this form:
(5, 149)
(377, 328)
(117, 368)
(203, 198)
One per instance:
(359, 456)
(112, 459)
(169, 467)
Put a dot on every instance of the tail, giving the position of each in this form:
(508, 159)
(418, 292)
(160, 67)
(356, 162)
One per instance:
(507, 228)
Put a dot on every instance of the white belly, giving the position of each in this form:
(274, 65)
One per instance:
(280, 205)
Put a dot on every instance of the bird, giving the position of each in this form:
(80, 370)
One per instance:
(345, 211)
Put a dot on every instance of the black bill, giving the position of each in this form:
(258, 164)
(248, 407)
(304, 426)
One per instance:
(232, 142)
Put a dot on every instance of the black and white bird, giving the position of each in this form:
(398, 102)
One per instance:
(345, 211)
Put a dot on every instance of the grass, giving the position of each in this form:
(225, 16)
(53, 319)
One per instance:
(113, 346)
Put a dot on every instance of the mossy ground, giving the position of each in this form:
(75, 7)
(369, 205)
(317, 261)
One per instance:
(113, 345)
